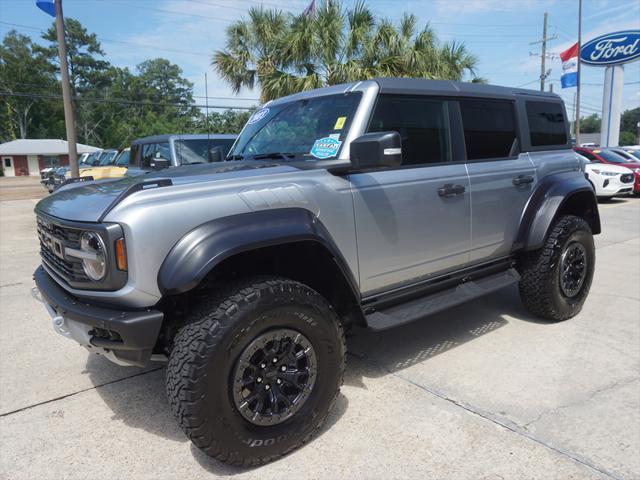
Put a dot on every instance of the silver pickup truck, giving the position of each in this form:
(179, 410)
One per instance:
(374, 204)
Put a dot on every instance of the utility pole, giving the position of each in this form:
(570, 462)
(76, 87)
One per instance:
(69, 119)
(577, 127)
(543, 55)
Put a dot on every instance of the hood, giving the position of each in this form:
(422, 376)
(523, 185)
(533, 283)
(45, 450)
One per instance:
(608, 167)
(86, 202)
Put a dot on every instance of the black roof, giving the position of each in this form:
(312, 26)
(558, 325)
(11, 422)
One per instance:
(179, 136)
(449, 88)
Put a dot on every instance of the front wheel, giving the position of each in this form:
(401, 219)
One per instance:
(555, 279)
(253, 374)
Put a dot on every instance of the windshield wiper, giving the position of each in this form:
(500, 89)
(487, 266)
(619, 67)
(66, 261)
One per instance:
(282, 155)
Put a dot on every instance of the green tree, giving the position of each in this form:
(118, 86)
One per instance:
(628, 138)
(284, 54)
(629, 121)
(590, 124)
(23, 70)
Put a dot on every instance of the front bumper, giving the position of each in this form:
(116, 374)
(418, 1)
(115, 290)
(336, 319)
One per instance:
(126, 337)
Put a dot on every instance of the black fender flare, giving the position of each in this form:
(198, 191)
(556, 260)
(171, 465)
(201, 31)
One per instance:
(549, 197)
(199, 251)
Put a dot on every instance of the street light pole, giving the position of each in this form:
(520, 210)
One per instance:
(69, 119)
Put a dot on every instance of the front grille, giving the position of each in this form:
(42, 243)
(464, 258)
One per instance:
(53, 240)
(626, 178)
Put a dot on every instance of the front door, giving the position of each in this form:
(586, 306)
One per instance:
(501, 179)
(7, 167)
(412, 222)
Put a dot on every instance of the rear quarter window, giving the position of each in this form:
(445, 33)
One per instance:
(547, 125)
(489, 128)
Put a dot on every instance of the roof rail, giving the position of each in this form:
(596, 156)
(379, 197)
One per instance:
(136, 187)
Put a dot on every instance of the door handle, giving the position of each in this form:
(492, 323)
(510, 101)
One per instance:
(522, 180)
(451, 190)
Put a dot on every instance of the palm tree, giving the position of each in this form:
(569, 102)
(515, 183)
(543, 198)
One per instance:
(285, 54)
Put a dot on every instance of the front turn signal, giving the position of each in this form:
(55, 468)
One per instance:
(121, 255)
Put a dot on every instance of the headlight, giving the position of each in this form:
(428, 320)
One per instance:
(94, 262)
(636, 170)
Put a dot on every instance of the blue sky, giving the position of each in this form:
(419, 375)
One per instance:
(498, 32)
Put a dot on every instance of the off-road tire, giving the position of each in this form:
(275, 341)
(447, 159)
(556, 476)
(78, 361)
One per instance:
(204, 355)
(539, 286)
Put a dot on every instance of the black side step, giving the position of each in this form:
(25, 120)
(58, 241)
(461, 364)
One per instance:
(421, 307)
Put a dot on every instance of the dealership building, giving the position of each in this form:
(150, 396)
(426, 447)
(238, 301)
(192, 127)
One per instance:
(28, 157)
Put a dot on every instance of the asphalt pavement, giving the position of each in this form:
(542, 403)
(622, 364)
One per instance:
(482, 391)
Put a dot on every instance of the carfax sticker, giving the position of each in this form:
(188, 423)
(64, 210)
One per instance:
(326, 147)
(259, 115)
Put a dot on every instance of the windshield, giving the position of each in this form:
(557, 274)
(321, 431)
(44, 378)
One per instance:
(635, 153)
(612, 157)
(123, 159)
(190, 151)
(108, 157)
(93, 157)
(308, 129)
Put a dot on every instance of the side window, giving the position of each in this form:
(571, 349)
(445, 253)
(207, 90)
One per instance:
(154, 150)
(489, 128)
(546, 124)
(423, 125)
(589, 155)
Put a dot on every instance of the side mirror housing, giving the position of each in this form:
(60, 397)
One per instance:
(377, 150)
(159, 163)
(215, 154)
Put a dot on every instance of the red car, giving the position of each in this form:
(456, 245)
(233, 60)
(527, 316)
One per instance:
(604, 155)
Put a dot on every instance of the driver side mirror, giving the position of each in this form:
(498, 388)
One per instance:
(215, 154)
(159, 163)
(376, 150)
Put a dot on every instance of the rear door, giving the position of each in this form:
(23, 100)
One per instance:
(408, 228)
(501, 178)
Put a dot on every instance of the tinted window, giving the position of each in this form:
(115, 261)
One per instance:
(546, 124)
(50, 162)
(198, 150)
(489, 128)
(612, 157)
(154, 150)
(588, 154)
(123, 159)
(423, 125)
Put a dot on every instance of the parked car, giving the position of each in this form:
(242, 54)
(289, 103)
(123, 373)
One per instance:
(610, 157)
(374, 203)
(628, 153)
(117, 168)
(608, 180)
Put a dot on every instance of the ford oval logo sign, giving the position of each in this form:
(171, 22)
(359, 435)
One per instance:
(612, 49)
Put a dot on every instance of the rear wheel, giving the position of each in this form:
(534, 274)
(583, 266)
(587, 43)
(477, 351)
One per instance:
(555, 280)
(255, 373)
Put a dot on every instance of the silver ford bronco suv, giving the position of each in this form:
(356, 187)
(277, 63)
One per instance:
(368, 204)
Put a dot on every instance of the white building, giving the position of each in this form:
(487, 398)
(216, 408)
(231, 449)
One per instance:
(28, 157)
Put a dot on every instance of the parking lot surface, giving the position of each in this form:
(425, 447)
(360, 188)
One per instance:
(482, 391)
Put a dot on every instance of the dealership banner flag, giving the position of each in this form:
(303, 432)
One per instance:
(569, 59)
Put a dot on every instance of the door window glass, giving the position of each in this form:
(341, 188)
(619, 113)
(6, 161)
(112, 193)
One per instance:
(423, 125)
(151, 151)
(546, 124)
(489, 128)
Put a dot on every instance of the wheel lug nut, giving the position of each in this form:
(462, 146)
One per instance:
(259, 379)
(267, 387)
(283, 368)
(263, 365)
(275, 360)
(278, 381)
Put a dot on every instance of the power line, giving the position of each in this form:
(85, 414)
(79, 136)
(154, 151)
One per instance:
(116, 101)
